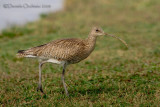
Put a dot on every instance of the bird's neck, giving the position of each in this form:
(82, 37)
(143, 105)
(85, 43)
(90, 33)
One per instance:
(91, 40)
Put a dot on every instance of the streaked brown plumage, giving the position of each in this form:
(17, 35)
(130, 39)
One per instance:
(70, 50)
(64, 51)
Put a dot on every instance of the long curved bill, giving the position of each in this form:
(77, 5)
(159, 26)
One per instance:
(118, 39)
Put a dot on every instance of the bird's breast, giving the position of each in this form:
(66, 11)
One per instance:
(81, 55)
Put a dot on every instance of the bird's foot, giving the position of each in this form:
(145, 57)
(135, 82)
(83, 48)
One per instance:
(40, 88)
(67, 94)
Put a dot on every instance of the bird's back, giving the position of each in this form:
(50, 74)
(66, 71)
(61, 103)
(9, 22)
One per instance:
(71, 50)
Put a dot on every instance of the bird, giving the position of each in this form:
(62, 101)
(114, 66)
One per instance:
(64, 52)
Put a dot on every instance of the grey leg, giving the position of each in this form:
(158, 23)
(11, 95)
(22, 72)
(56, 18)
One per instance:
(64, 84)
(40, 78)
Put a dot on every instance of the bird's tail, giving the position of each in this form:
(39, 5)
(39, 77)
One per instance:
(26, 53)
(21, 54)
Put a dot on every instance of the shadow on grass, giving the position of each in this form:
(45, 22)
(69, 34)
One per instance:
(94, 91)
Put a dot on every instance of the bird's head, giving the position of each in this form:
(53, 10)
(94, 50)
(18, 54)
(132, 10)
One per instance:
(98, 31)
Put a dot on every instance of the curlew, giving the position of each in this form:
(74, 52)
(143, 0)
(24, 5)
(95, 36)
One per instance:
(64, 52)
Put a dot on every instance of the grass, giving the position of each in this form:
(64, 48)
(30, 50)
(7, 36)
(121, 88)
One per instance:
(111, 75)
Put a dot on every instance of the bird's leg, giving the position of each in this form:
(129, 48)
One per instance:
(64, 84)
(40, 78)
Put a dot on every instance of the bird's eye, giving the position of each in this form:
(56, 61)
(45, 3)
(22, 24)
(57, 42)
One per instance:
(97, 30)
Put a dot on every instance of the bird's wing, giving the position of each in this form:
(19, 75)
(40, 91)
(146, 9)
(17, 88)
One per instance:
(65, 49)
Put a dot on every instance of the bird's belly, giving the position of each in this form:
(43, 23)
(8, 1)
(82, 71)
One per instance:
(55, 61)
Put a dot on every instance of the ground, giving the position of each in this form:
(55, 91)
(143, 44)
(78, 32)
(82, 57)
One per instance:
(111, 75)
